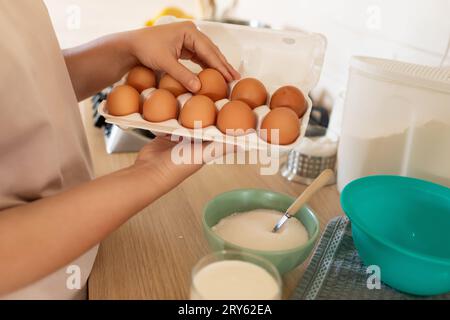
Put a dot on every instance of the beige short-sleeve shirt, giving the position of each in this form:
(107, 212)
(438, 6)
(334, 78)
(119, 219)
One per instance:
(43, 149)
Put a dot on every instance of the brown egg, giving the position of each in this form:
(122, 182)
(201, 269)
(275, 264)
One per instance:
(141, 78)
(290, 97)
(286, 121)
(236, 116)
(198, 109)
(214, 85)
(160, 106)
(123, 100)
(174, 86)
(251, 91)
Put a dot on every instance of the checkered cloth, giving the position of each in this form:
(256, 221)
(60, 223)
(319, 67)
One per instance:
(336, 271)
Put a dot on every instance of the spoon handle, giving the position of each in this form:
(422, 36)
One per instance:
(317, 184)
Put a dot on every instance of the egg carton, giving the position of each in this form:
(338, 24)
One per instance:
(277, 58)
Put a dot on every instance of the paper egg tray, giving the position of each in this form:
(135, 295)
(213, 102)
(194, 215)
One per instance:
(250, 141)
(275, 57)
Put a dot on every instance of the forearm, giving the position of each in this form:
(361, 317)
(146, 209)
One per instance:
(41, 237)
(98, 64)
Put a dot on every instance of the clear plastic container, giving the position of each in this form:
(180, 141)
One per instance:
(396, 121)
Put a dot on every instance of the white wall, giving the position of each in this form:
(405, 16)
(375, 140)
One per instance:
(416, 31)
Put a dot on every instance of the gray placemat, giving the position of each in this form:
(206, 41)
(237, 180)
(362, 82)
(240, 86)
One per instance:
(336, 272)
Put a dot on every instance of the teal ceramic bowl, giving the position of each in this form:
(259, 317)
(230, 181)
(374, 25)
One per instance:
(252, 199)
(402, 225)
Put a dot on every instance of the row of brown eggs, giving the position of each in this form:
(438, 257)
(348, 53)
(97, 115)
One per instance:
(287, 104)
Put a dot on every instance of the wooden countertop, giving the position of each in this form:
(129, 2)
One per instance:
(152, 255)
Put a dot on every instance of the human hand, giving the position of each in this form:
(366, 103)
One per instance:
(161, 48)
(157, 158)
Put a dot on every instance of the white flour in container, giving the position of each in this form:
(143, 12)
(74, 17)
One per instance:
(422, 152)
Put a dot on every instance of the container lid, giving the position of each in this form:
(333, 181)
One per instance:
(435, 78)
(276, 57)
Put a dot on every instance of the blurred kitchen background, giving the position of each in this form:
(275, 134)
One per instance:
(414, 31)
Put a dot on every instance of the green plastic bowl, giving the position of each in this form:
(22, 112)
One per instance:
(251, 199)
(402, 225)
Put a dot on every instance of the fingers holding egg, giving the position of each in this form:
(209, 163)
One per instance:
(169, 83)
(214, 85)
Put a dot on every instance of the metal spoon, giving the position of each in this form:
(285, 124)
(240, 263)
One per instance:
(315, 186)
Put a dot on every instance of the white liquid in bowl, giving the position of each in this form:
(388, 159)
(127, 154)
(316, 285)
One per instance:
(234, 280)
(253, 230)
